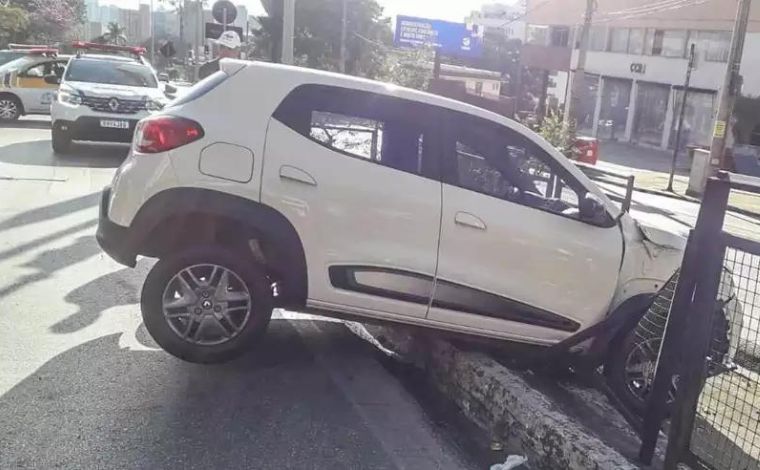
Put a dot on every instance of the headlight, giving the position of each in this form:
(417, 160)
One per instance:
(69, 96)
(154, 105)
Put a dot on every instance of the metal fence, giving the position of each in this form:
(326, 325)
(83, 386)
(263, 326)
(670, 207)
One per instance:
(707, 379)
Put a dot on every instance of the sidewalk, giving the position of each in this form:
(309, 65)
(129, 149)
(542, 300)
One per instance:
(651, 168)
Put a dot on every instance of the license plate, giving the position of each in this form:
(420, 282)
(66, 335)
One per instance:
(114, 124)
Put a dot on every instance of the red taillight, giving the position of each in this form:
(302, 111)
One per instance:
(162, 133)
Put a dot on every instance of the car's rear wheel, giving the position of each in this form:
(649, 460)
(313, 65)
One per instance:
(206, 304)
(10, 108)
(61, 141)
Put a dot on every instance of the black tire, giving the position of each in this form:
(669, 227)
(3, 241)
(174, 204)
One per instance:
(61, 141)
(158, 325)
(10, 108)
(642, 342)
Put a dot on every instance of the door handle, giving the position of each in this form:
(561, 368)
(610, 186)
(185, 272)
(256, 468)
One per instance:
(469, 220)
(292, 173)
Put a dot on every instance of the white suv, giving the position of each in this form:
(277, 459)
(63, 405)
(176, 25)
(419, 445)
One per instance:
(271, 186)
(102, 97)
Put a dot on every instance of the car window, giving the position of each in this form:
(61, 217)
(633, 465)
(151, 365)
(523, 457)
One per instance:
(111, 72)
(502, 163)
(373, 127)
(36, 71)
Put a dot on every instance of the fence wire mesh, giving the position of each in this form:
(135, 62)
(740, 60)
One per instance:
(726, 433)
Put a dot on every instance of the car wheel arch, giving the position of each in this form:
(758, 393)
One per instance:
(176, 217)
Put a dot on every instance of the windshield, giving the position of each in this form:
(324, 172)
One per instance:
(111, 72)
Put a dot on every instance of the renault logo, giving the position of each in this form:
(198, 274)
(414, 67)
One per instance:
(113, 103)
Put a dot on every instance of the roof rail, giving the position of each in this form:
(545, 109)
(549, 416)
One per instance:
(21, 47)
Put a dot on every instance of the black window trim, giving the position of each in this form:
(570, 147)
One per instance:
(431, 146)
(450, 168)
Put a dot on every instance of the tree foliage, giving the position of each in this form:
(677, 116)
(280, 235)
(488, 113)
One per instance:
(318, 35)
(51, 20)
(13, 24)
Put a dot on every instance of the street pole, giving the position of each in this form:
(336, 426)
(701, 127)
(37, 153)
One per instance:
(343, 38)
(731, 85)
(288, 27)
(681, 116)
(152, 37)
(578, 78)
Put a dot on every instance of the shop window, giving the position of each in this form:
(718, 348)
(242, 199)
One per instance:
(667, 43)
(619, 40)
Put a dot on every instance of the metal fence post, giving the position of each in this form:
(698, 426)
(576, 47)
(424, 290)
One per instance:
(699, 329)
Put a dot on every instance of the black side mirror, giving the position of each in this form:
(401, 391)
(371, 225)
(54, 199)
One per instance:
(52, 79)
(592, 208)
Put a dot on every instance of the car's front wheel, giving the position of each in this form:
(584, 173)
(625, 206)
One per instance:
(10, 108)
(61, 141)
(206, 304)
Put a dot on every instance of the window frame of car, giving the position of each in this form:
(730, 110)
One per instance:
(295, 111)
(25, 73)
(450, 166)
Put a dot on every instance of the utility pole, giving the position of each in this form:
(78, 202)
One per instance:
(689, 69)
(731, 85)
(578, 79)
(288, 27)
(152, 37)
(343, 37)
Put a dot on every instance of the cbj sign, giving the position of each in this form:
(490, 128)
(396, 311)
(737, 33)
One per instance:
(638, 68)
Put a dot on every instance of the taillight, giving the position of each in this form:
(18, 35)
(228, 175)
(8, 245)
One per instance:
(162, 133)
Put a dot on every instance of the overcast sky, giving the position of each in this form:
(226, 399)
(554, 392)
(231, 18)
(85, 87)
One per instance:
(452, 10)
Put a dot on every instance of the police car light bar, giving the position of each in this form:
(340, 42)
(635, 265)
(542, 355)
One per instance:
(137, 51)
(30, 47)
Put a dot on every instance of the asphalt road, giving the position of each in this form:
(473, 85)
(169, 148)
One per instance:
(82, 385)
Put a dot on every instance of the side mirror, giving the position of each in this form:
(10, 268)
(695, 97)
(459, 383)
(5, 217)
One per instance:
(52, 79)
(163, 77)
(591, 208)
(170, 89)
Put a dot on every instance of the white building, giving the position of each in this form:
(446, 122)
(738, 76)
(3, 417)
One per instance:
(636, 65)
(499, 18)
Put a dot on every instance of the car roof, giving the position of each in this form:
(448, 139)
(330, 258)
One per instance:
(107, 57)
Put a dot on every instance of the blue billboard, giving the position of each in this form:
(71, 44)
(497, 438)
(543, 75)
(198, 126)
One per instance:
(449, 38)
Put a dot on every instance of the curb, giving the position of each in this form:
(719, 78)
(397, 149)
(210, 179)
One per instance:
(499, 400)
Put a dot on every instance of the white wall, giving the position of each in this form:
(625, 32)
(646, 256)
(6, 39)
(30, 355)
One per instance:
(751, 65)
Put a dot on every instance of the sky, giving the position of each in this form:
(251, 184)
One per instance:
(451, 10)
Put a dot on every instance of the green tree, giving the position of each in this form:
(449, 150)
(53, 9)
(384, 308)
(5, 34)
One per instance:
(114, 34)
(318, 31)
(13, 25)
(51, 20)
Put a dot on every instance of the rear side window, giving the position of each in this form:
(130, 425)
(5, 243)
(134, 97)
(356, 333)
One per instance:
(201, 88)
(385, 130)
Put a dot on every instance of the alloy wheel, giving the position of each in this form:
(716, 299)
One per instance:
(640, 368)
(206, 304)
(8, 110)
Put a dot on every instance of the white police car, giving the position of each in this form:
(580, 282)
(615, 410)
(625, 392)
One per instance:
(102, 97)
(23, 88)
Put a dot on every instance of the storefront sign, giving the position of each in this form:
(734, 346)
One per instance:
(638, 68)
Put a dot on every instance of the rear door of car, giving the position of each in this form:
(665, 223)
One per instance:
(516, 259)
(35, 93)
(356, 173)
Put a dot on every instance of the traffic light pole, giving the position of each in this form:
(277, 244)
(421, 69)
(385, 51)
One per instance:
(731, 86)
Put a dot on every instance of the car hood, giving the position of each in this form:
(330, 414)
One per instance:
(119, 91)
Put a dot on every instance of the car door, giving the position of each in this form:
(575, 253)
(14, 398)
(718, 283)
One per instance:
(516, 259)
(356, 175)
(37, 95)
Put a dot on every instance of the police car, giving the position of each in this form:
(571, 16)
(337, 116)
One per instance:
(103, 96)
(23, 88)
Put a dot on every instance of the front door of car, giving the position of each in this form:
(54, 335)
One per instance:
(35, 93)
(355, 174)
(516, 258)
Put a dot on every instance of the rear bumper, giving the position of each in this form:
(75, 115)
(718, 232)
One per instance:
(89, 128)
(113, 238)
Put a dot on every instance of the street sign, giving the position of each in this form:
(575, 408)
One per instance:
(219, 14)
(449, 38)
(214, 30)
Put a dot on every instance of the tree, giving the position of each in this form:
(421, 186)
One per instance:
(13, 24)
(51, 20)
(317, 35)
(114, 34)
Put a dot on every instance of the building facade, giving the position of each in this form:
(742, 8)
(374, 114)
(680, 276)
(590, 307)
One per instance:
(499, 18)
(637, 63)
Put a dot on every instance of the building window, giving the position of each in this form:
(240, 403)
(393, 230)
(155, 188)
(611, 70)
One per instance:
(712, 45)
(479, 88)
(636, 41)
(597, 38)
(666, 43)
(538, 35)
(560, 36)
(619, 40)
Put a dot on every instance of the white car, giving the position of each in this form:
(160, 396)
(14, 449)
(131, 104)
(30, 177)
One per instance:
(273, 186)
(102, 97)
(23, 88)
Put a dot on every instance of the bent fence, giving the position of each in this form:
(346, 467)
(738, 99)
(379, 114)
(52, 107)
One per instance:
(707, 379)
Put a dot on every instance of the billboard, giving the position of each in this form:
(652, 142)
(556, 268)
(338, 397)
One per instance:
(457, 39)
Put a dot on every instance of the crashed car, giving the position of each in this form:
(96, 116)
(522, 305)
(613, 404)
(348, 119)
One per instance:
(269, 186)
